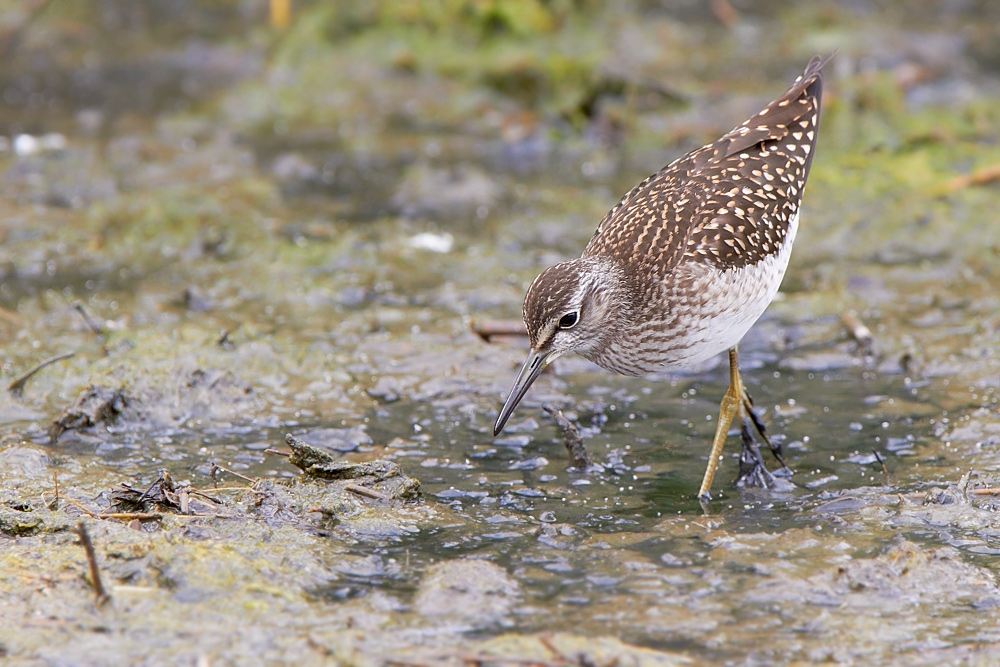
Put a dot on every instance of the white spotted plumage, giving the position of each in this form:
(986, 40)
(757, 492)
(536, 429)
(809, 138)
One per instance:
(688, 260)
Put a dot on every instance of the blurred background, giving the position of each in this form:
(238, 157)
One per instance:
(245, 218)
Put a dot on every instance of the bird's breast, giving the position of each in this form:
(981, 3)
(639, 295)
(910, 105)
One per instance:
(695, 313)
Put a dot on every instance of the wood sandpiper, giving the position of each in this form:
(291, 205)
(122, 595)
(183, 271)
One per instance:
(684, 265)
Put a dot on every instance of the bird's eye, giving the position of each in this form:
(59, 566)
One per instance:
(568, 320)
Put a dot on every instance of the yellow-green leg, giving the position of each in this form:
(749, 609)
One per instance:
(731, 404)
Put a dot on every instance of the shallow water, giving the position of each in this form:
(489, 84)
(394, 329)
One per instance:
(294, 235)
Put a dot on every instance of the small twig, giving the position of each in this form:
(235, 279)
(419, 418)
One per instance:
(128, 516)
(987, 491)
(489, 328)
(216, 466)
(275, 451)
(54, 505)
(196, 492)
(171, 498)
(142, 516)
(214, 515)
(471, 658)
(222, 488)
(859, 332)
(82, 508)
(16, 387)
(101, 595)
(881, 459)
(981, 176)
(546, 641)
(96, 328)
(368, 493)
(571, 438)
(163, 478)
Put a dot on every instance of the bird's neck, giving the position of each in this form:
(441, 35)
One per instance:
(611, 295)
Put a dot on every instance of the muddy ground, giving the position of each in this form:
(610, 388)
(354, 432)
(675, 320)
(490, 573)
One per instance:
(236, 232)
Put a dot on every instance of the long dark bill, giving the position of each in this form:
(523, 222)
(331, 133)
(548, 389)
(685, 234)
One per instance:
(531, 369)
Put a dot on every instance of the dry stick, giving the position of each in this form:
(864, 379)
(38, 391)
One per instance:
(221, 488)
(95, 574)
(82, 508)
(489, 328)
(858, 330)
(91, 324)
(196, 492)
(483, 659)
(988, 491)
(880, 459)
(981, 176)
(275, 451)
(368, 493)
(231, 472)
(214, 515)
(114, 515)
(16, 387)
(10, 316)
(571, 438)
(149, 489)
(546, 641)
(123, 516)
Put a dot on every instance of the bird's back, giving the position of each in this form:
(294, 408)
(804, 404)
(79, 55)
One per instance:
(705, 241)
(728, 203)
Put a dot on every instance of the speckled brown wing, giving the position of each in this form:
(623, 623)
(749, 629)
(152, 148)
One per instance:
(729, 202)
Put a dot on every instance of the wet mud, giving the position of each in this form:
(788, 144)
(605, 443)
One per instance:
(276, 275)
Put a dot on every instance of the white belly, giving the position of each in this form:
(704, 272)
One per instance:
(724, 321)
(706, 320)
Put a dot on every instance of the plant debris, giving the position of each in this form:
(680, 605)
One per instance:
(100, 594)
(571, 438)
(384, 477)
(96, 405)
(16, 388)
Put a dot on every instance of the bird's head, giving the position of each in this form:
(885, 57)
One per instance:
(575, 306)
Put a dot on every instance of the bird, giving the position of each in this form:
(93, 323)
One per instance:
(681, 268)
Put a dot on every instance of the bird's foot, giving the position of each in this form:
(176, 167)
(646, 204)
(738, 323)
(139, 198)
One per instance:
(753, 472)
(748, 409)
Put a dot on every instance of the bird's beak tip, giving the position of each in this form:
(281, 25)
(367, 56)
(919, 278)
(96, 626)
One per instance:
(532, 367)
